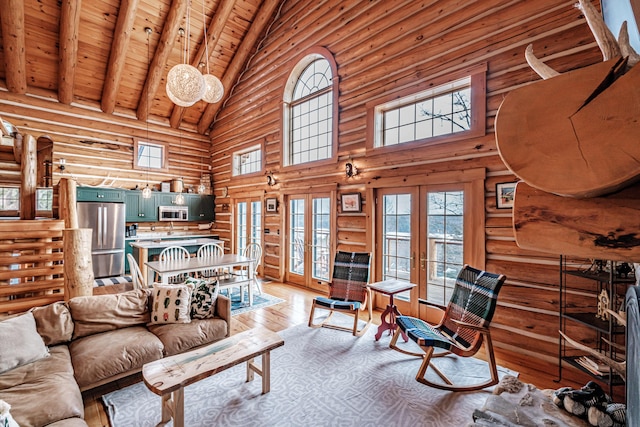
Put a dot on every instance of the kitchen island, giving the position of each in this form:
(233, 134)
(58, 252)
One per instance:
(144, 247)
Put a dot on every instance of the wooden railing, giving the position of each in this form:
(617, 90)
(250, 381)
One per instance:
(31, 264)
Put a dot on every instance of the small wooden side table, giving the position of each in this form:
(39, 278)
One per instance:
(388, 317)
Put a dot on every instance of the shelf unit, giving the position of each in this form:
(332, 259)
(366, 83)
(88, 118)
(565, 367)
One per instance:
(574, 313)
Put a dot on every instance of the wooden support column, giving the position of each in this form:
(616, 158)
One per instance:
(67, 203)
(29, 176)
(78, 268)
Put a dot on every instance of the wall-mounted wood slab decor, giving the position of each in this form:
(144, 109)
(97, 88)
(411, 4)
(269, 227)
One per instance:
(599, 227)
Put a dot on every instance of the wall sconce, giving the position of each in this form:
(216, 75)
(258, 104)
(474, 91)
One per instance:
(350, 170)
(271, 180)
(61, 164)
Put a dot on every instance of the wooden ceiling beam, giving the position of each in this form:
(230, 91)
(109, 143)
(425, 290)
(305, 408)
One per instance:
(121, 38)
(167, 39)
(68, 53)
(239, 59)
(216, 26)
(13, 38)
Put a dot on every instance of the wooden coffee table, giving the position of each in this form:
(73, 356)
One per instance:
(169, 376)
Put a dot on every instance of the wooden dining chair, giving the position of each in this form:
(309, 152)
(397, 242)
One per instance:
(136, 275)
(171, 253)
(254, 251)
(462, 330)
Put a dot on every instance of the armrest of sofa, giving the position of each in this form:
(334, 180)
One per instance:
(223, 310)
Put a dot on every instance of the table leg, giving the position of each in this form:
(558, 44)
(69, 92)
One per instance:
(266, 372)
(173, 408)
(388, 320)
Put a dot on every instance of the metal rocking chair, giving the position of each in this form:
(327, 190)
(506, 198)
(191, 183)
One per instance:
(462, 330)
(348, 292)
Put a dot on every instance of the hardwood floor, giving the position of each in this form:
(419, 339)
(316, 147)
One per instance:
(294, 311)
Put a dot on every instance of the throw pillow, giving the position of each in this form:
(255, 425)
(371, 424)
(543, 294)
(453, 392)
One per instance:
(171, 304)
(21, 343)
(203, 299)
(6, 420)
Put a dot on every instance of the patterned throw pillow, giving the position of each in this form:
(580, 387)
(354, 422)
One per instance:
(203, 298)
(171, 304)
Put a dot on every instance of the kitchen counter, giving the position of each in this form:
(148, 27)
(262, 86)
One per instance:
(143, 245)
(174, 235)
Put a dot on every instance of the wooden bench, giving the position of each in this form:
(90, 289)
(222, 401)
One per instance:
(169, 376)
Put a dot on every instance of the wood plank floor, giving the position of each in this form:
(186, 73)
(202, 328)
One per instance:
(294, 311)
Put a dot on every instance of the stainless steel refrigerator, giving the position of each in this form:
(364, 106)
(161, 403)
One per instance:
(107, 244)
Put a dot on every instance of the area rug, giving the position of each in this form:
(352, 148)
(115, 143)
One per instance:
(259, 301)
(320, 377)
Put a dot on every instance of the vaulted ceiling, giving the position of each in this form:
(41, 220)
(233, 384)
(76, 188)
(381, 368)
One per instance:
(97, 54)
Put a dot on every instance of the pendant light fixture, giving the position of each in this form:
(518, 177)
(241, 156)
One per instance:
(185, 84)
(179, 200)
(146, 192)
(214, 90)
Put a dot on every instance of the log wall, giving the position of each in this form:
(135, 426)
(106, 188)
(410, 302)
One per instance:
(386, 47)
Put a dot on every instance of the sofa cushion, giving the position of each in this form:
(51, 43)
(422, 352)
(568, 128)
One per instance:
(171, 304)
(100, 356)
(101, 313)
(32, 389)
(181, 337)
(20, 342)
(54, 323)
(203, 298)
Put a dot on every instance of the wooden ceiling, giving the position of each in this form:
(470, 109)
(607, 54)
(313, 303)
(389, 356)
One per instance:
(96, 53)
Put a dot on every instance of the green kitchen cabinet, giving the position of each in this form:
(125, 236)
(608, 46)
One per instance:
(139, 209)
(201, 208)
(97, 194)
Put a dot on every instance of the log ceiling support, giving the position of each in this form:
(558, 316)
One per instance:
(263, 17)
(69, 30)
(13, 39)
(167, 39)
(216, 26)
(121, 38)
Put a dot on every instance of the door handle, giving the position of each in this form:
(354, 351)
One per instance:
(423, 260)
(99, 227)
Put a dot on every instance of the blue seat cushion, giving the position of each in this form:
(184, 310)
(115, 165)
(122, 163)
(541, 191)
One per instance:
(337, 304)
(422, 333)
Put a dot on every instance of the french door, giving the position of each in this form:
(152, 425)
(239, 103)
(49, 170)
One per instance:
(422, 237)
(309, 234)
(248, 223)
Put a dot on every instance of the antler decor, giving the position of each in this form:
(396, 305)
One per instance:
(619, 367)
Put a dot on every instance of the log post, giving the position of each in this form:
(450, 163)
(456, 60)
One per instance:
(67, 203)
(29, 176)
(78, 268)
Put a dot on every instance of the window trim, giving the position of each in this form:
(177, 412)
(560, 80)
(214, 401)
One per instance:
(478, 75)
(300, 63)
(236, 153)
(165, 159)
(12, 213)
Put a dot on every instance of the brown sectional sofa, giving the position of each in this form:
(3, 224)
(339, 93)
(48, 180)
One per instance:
(92, 341)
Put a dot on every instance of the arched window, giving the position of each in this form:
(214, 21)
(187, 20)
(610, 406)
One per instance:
(309, 110)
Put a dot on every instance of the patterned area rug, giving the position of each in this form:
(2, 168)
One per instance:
(320, 377)
(259, 301)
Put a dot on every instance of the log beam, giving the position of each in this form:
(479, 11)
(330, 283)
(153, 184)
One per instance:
(78, 269)
(216, 26)
(13, 40)
(29, 178)
(68, 209)
(263, 17)
(167, 39)
(69, 29)
(119, 46)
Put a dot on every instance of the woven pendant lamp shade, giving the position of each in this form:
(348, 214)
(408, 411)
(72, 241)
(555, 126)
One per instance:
(214, 89)
(185, 85)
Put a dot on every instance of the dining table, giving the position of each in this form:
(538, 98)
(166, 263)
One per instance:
(169, 268)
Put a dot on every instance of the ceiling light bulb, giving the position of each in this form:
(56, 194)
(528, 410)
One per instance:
(146, 192)
(179, 199)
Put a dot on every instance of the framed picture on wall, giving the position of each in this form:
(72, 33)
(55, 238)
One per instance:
(351, 202)
(505, 191)
(271, 205)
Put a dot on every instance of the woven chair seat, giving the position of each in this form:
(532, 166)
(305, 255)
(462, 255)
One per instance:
(338, 304)
(423, 333)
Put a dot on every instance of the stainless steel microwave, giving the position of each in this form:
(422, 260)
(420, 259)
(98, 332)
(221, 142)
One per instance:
(173, 213)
